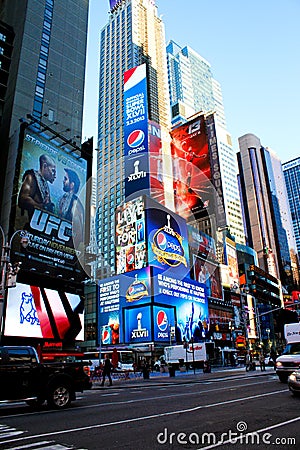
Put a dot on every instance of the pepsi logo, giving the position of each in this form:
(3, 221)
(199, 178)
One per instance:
(106, 337)
(136, 138)
(130, 259)
(161, 240)
(162, 320)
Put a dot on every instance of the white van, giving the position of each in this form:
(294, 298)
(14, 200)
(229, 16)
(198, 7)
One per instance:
(289, 361)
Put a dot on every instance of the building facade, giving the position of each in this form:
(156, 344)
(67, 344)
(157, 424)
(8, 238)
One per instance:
(134, 35)
(192, 89)
(46, 75)
(264, 208)
(291, 172)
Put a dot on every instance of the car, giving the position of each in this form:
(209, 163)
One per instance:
(294, 382)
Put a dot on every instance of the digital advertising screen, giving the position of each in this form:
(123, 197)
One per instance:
(208, 273)
(130, 236)
(194, 192)
(117, 293)
(163, 321)
(109, 310)
(231, 261)
(156, 162)
(51, 195)
(136, 144)
(190, 300)
(216, 172)
(44, 314)
(137, 324)
(167, 238)
(201, 243)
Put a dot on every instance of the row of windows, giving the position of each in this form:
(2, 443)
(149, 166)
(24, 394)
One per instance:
(42, 67)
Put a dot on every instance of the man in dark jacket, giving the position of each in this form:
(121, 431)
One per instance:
(107, 368)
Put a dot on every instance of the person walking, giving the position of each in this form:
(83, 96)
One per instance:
(107, 369)
(262, 361)
(248, 361)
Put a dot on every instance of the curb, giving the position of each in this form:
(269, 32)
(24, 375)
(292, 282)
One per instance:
(161, 380)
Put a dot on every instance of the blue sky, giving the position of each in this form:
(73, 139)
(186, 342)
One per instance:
(253, 48)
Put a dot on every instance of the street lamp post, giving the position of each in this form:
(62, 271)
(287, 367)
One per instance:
(8, 271)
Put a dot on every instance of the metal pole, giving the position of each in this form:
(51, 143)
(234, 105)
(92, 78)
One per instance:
(5, 260)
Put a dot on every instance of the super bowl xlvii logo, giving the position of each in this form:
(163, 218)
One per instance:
(162, 324)
(139, 332)
(136, 290)
(167, 246)
(135, 141)
(137, 174)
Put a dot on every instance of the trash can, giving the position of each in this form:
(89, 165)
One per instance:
(171, 371)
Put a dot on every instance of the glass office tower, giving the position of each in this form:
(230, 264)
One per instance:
(192, 89)
(265, 208)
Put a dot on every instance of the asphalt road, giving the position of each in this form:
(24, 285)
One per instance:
(187, 413)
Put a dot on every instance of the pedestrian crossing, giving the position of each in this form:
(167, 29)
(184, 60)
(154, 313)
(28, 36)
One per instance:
(8, 434)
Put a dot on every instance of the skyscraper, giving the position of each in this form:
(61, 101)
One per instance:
(193, 89)
(133, 35)
(291, 171)
(265, 208)
(46, 75)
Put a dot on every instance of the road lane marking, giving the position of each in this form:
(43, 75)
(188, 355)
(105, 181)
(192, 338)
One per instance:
(241, 437)
(137, 419)
(137, 400)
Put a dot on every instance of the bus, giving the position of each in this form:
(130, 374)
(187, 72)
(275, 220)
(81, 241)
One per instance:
(126, 358)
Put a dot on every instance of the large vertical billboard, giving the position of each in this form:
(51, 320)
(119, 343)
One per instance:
(44, 314)
(191, 169)
(232, 263)
(50, 206)
(216, 171)
(130, 236)
(136, 131)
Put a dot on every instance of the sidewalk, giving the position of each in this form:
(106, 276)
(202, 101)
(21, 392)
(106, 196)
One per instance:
(157, 378)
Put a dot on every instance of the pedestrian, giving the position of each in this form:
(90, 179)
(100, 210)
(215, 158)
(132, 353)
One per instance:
(248, 361)
(107, 369)
(262, 361)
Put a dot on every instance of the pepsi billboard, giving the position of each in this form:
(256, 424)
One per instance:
(190, 301)
(137, 324)
(167, 238)
(163, 321)
(136, 130)
(116, 293)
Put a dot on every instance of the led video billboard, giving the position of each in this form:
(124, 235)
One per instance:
(116, 293)
(167, 238)
(130, 236)
(191, 168)
(190, 301)
(41, 313)
(136, 131)
(50, 206)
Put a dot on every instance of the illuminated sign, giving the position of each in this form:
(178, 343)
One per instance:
(137, 323)
(167, 238)
(191, 169)
(44, 313)
(51, 208)
(189, 299)
(216, 171)
(136, 143)
(130, 236)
